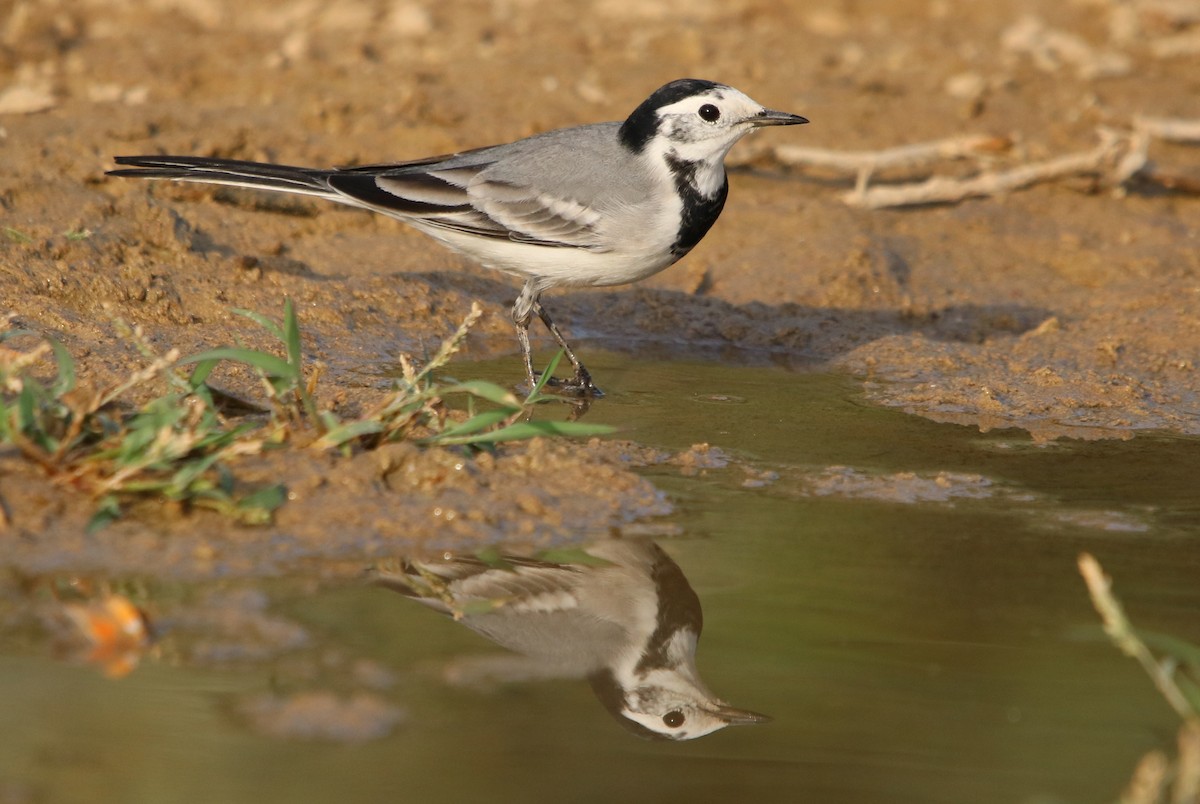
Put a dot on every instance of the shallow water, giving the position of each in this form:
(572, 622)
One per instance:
(901, 596)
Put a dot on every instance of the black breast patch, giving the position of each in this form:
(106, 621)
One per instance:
(699, 213)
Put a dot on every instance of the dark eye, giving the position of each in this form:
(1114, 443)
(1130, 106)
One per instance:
(712, 114)
(675, 719)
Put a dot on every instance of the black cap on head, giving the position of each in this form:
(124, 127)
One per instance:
(640, 126)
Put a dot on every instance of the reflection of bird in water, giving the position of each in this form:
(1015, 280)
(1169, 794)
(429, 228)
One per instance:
(621, 615)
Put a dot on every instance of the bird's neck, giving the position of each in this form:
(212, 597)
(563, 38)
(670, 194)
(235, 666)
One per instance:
(702, 188)
(702, 178)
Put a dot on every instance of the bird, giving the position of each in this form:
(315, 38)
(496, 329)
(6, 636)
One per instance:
(619, 613)
(595, 205)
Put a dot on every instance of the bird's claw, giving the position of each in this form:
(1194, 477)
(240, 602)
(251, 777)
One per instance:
(580, 385)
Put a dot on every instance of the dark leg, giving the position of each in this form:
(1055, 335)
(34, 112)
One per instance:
(522, 313)
(581, 384)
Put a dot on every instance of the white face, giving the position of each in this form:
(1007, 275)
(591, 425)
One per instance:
(706, 125)
(681, 720)
(673, 701)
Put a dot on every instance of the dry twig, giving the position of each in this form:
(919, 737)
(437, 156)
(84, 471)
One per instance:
(1052, 49)
(864, 164)
(1118, 157)
(1114, 160)
(1121, 632)
(1171, 129)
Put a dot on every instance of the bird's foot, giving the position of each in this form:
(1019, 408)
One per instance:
(580, 386)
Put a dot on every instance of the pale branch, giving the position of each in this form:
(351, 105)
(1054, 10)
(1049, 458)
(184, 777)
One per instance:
(1171, 129)
(863, 164)
(1120, 156)
(1114, 160)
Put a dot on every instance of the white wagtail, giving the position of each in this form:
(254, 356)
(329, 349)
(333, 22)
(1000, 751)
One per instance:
(627, 620)
(595, 205)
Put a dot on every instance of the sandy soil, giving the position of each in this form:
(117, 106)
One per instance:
(1067, 309)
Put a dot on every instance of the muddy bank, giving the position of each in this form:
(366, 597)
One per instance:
(398, 499)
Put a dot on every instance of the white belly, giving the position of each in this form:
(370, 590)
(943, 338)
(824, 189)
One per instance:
(643, 249)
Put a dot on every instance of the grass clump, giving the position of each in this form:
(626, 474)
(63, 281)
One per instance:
(1174, 666)
(180, 446)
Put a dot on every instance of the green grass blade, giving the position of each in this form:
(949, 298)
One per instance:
(344, 433)
(200, 373)
(572, 555)
(269, 364)
(291, 335)
(26, 405)
(107, 510)
(264, 322)
(484, 390)
(17, 333)
(66, 369)
(1173, 646)
(295, 358)
(492, 556)
(182, 481)
(257, 508)
(480, 606)
(547, 374)
(478, 422)
(520, 431)
(29, 420)
(1191, 692)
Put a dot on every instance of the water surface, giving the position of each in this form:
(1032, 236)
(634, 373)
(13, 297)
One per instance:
(901, 596)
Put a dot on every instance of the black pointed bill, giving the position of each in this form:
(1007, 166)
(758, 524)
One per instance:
(739, 717)
(770, 117)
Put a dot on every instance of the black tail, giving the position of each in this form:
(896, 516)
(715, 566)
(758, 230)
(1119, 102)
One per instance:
(285, 178)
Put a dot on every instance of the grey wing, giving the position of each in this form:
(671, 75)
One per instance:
(529, 606)
(461, 198)
(464, 583)
(525, 585)
(497, 192)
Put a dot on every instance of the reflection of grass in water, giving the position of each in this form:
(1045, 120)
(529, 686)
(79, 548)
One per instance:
(1174, 666)
(180, 444)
